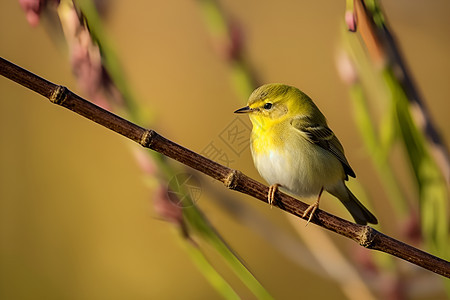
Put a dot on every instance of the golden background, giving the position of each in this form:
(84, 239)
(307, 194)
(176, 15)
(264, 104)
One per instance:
(76, 219)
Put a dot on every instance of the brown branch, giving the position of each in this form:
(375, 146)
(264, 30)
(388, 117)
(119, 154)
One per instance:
(364, 235)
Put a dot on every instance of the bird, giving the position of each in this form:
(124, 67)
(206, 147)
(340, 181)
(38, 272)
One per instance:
(294, 150)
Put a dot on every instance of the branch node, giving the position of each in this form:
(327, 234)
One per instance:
(59, 95)
(366, 237)
(147, 138)
(231, 181)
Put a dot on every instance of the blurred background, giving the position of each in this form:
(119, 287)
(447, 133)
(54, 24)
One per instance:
(76, 217)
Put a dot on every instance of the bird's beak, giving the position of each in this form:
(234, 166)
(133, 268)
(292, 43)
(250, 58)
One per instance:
(243, 110)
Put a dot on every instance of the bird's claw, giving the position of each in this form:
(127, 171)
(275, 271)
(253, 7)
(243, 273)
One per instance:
(310, 210)
(271, 194)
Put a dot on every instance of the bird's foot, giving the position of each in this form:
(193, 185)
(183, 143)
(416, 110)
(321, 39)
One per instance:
(271, 194)
(311, 210)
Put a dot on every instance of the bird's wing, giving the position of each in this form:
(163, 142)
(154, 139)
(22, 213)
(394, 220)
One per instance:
(324, 137)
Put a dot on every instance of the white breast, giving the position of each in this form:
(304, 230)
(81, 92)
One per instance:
(302, 173)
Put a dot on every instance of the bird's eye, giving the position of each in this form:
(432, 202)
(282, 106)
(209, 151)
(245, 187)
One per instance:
(268, 105)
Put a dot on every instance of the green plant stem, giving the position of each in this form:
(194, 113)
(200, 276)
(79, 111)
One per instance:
(380, 161)
(378, 149)
(214, 278)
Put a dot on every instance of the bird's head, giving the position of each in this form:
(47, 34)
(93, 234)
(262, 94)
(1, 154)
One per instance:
(273, 103)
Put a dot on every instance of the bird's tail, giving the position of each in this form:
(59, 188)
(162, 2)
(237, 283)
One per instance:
(358, 211)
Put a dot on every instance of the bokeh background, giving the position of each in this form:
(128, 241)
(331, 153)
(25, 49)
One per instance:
(76, 218)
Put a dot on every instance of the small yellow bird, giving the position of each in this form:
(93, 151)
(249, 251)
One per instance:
(293, 148)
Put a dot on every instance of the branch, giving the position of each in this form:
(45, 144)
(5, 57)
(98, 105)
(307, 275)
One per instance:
(365, 236)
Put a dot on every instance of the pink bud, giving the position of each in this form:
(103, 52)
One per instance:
(168, 210)
(346, 69)
(411, 228)
(350, 20)
(32, 9)
(236, 41)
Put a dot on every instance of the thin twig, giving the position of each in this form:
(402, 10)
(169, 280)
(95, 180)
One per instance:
(365, 236)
